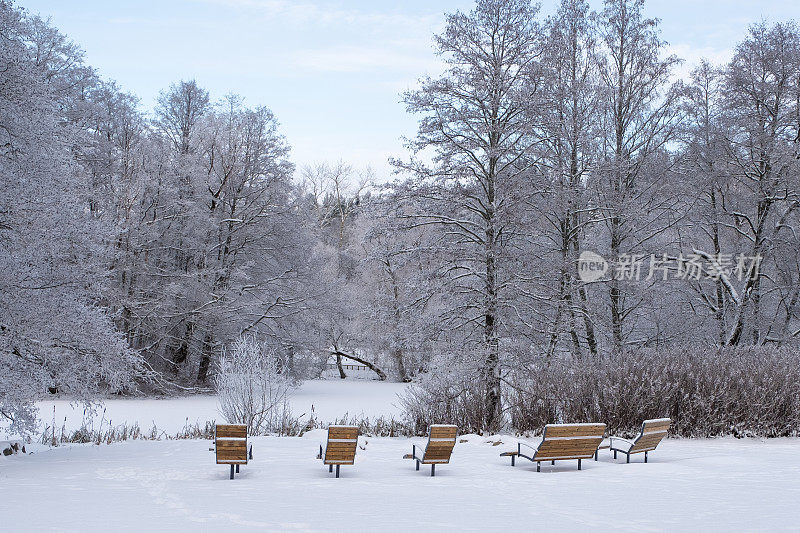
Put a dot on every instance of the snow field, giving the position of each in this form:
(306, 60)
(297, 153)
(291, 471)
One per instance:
(175, 485)
(688, 485)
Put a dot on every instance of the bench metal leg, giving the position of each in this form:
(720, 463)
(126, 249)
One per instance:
(433, 470)
(595, 454)
(417, 465)
(553, 463)
(337, 470)
(237, 469)
(645, 457)
(513, 457)
(538, 466)
(250, 455)
(579, 464)
(629, 458)
(231, 471)
(330, 468)
(615, 454)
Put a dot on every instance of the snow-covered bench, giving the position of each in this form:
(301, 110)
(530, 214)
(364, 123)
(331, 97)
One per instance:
(562, 442)
(441, 440)
(230, 444)
(648, 439)
(340, 448)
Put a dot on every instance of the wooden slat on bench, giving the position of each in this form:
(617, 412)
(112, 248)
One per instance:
(232, 444)
(232, 431)
(342, 432)
(439, 431)
(573, 430)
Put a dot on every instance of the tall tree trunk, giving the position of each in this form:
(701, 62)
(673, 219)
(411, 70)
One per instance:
(493, 415)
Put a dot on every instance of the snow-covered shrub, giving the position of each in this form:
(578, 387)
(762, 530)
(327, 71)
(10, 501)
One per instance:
(253, 387)
(707, 392)
(450, 392)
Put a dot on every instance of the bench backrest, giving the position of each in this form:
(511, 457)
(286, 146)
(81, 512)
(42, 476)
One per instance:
(652, 432)
(441, 441)
(341, 446)
(570, 441)
(230, 442)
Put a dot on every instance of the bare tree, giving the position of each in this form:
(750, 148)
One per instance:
(640, 116)
(474, 118)
(179, 111)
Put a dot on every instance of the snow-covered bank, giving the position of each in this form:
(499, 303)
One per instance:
(331, 399)
(688, 485)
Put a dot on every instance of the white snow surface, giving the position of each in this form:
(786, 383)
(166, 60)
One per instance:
(331, 400)
(175, 485)
(688, 485)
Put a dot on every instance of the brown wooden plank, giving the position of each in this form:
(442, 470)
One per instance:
(341, 445)
(562, 458)
(340, 453)
(343, 432)
(237, 458)
(231, 451)
(436, 454)
(563, 453)
(231, 444)
(231, 430)
(579, 444)
(573, 430)
(645, 444)
(449, 444)
(443, 432)
(347, 456)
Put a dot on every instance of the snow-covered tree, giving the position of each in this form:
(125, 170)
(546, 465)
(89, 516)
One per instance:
(474, 120)
(54, 333)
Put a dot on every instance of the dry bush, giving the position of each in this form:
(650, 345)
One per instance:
(743, 391)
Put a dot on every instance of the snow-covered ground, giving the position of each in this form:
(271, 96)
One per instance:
(688, 485)
(331, 400)
(174, 485)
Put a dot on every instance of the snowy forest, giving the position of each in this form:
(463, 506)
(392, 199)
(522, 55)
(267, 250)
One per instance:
(139, 246)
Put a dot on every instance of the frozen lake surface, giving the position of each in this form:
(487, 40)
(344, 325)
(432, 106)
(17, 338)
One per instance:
(331, 399)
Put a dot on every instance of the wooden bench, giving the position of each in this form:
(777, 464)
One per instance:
(441, 440)
(562, 442)
(230, 444)
(648, 439)
(340, 448)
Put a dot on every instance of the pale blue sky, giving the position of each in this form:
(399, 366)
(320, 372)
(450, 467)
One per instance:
(332, 72)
